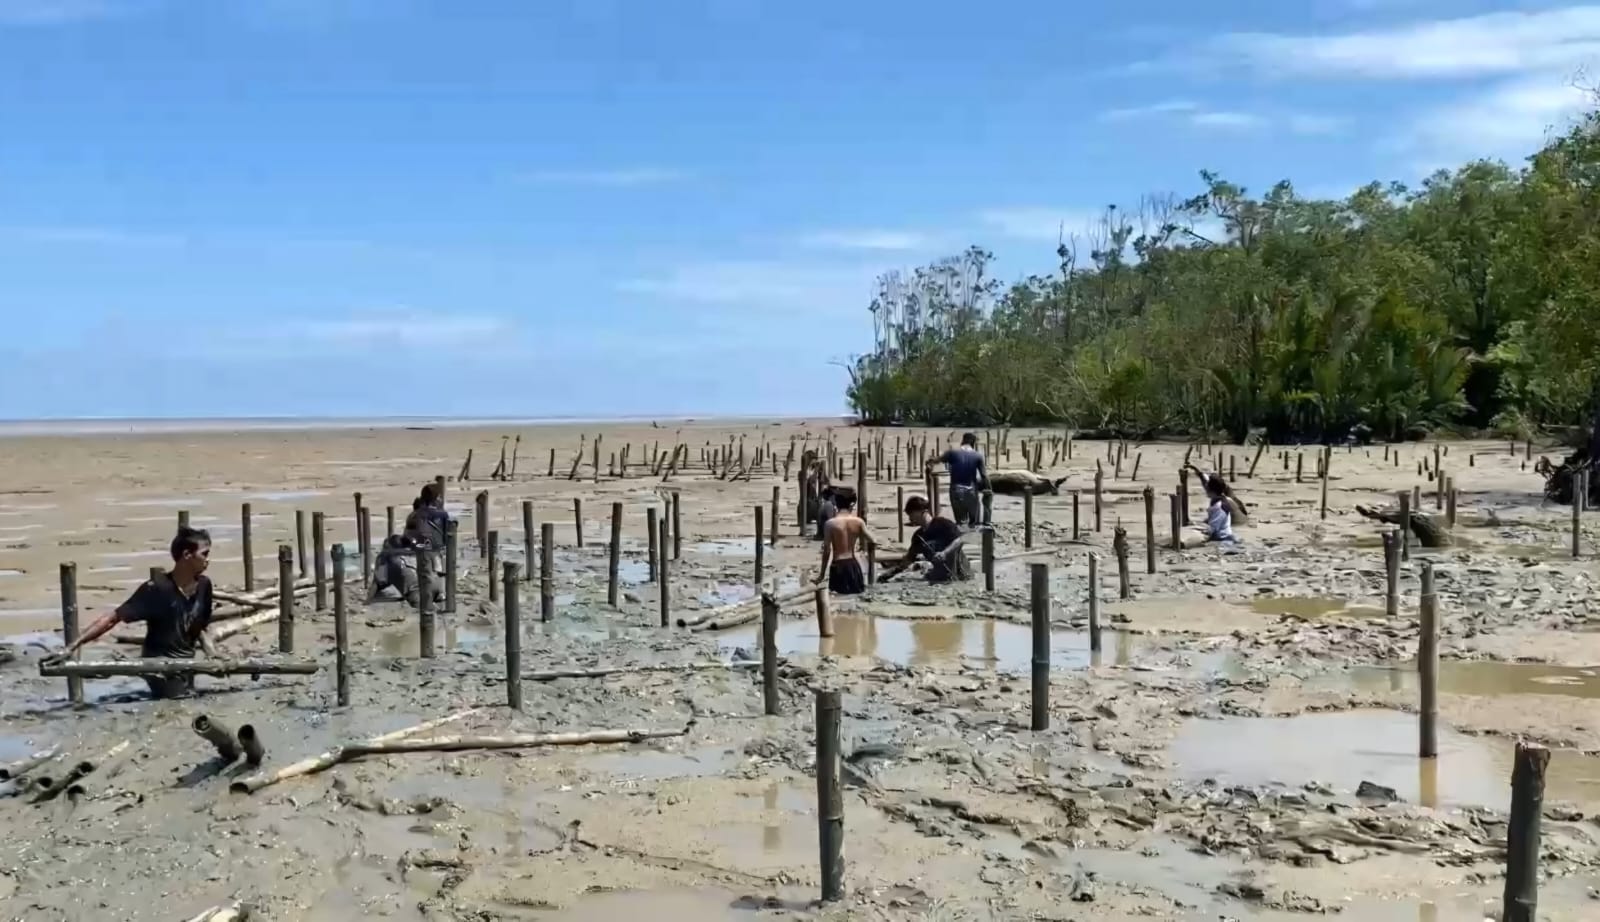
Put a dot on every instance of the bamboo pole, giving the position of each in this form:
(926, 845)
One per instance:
(988, 560)
(300, 540)
(677, 525)
(23, 766)
(452, 563)
(517, 741)
(654, 537)
(761, 549)
(1094, 602)
(1428, 667)
(341, 629)
(1391, 574)
(830, 797)
(247, 548)
(777, 497)
(366, 547)
(319, 564)
(513, 613)
(600, 672)
(1150, 529)
(547, 571)
(819, 597)
(1405, 525)
(250, 742)
(285, 599)
(333, 756)
(769, 649)
(493, 564)
(1520, 901)
(219, 736)
(1027, 519)
(69, 625)
(527, 538)
(665, 581)
(171, 667)
(1039, 593)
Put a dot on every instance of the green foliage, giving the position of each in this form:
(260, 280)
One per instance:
(1470, 300)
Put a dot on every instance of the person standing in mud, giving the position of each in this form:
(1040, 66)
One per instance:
(816, 485)
(968, 476)
(175, 608)
(841, 535)
(936, 540)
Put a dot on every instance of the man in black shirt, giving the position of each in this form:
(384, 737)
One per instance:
(175, 608)
(936, 540)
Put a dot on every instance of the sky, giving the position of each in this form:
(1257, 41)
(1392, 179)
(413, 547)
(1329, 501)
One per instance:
(214, 208)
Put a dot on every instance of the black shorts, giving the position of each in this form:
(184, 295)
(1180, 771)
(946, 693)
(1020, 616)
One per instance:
(845, 577)
(170, 686)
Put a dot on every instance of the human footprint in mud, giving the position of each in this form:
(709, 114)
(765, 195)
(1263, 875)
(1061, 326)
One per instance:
(937, 540)
(176, 609)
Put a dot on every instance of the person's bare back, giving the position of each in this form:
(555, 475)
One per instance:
(839, 539)
(843, 533)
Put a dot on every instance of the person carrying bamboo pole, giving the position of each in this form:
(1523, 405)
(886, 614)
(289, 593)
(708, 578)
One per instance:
(968, 477)
(937, 540)
(176, 609)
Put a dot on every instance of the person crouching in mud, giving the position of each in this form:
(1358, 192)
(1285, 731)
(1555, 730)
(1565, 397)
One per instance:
(1220, 504)
(176, 609)
(842, 533)
(936, 540)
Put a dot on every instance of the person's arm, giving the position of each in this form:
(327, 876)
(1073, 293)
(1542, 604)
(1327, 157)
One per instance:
(93, 633)
(827, 557)
(950, 550)
(983, 473)
(208, 644)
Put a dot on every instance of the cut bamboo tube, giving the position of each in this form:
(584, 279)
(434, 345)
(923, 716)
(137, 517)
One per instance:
(332, 757)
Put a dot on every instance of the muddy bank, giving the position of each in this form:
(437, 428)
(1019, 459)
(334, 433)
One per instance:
(1208, 762)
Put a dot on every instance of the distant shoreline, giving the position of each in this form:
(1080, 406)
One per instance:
(22, 428)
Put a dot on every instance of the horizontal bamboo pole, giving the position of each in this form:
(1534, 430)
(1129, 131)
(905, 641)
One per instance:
(142, 667)
(600, 672)
(333, 756)
(22, 766)
(520, 741)
(1018, 555)
(743, 613)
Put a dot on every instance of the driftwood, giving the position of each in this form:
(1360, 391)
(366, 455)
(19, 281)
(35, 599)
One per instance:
(738, 613)
(334, 756)
(22, 766)
(520, 741)
(144, 667)
(1429, 531)
(600, 672)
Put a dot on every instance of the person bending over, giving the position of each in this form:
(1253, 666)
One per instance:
(968, 476)
(175, 608)
(937, 540)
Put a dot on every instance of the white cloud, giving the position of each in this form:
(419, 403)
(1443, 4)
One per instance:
(1169, 107)
(1490, 44)
(402, 327)
(620, 178)
(1232, 121)
(1033, 222)
(1508, 120)
(1309, 124)
(867, 239)
(1200, 116)
(94, 236)
(752, 292)
(55, 12)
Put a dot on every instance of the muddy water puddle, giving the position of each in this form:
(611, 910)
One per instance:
(1481, 678)
(637, 764)
(1343, 749)
(1312, 608)
(661, 905)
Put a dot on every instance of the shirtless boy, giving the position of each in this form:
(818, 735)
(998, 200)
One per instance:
(839, 540)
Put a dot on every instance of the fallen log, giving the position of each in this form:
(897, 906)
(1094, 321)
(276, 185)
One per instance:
(600, 672)
(739, 613)
(22, 766)
(333, 756)
(168, 667)
(1429, 532)
(521, 741)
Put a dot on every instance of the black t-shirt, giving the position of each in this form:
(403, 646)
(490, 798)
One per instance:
(934, 537)
(172, 621)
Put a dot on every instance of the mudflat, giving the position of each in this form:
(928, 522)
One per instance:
(1203, 763)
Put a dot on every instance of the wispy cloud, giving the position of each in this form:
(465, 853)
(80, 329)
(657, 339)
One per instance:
(402, 327)
(1232, 121)
(1035, 222)
(868, 239)
(57, 12)
(93, 236)
(619, 178)
(1506, 120)
(1309, 124)
(1201, 116)
(1491, 44)
(1168, 107)
(750, 294)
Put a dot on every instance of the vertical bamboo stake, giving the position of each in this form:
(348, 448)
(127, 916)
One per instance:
(677, 525)
(861, 485)
(1391, 574)
(1183, 494)
(69, 625)
(1577, 514)
(933, 492)
(248, 548)
(319, 565)
(1520, 902)
(341, 630)
(482, 524)
(425, 619)
(1405, 526)
(1119, 546)
(528, 543)
(183, 519)
(988, 508)
(1094, 602)
(366, 547)
(1027, 520)
(300, 539)
(900, 514)
(614, 557)
(388, 525)
(1099, 497)
(1149, 530)
(819, 598)
(438, 486)
(777, 493)
(666, 579)
(547, 571)
(1299, 466)
(830, 799)
(577, 518)
(551, 471)
(1450, 502)
(988, 560)
(597, 458)
(493, 564)
(452, 564)
(1039, 595)
(654, 538)
(513, 610)
(1177, 521)
(769, 653)
(285, 599)
(801, 501)
(1077, 497)
(761, 546)
(1428, 666)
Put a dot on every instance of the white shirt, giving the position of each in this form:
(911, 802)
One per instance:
(1219, 524)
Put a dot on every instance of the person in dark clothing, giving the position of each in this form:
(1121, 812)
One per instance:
(968, 477)
(175, 607)
(843, 532)
(937, 540)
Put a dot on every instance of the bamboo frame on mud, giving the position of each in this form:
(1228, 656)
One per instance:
(746, 611)
(330, 758)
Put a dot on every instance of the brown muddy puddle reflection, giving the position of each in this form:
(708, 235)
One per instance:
(1343, 749)
(984, 644)
(1472, 677)
(1312, 608)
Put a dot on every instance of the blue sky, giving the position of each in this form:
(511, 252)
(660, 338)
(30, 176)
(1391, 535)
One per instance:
(620, 207)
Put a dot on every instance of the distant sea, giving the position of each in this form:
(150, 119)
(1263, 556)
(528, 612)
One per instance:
(62, 427)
